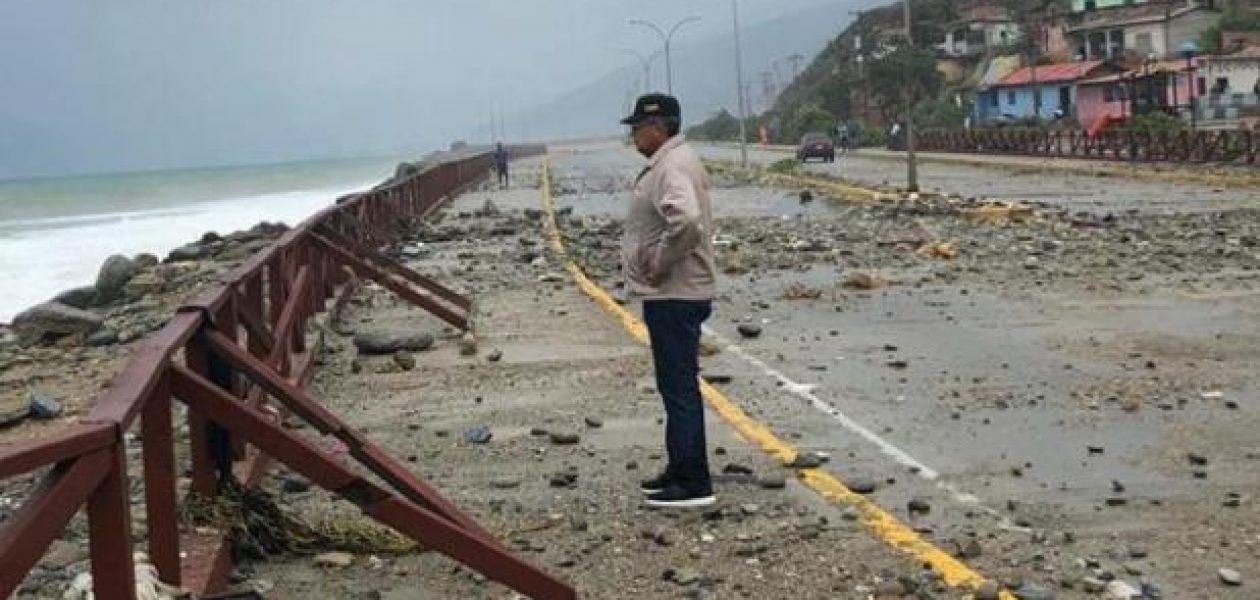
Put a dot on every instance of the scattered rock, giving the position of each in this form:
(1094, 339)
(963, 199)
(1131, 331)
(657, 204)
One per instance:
(918, 506)
(478, 435)
(862, 281)
(43, 406)
(749, 330)
(467, 345)
(495, 355)
(1121, 590)
(772, 482)
(594, 422)
(1229, 577)
(505, 483)
(988, 590)
(388, 342)
(806, 460)
(564, 479)
(861, 485)
(337, 560)
(560, 438)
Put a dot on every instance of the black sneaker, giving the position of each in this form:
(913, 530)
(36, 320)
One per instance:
(676, 496)
(656, 484)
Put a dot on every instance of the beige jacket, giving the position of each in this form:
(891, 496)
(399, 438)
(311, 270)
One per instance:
(667, 248)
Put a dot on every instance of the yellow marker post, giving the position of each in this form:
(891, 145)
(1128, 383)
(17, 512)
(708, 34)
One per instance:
(888, 528)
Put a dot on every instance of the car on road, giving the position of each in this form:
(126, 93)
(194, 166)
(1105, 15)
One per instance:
(816, 145)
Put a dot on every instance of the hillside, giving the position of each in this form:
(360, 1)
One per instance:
(704, 74)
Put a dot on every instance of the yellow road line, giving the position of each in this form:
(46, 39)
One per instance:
(887, 527)
(839, 189)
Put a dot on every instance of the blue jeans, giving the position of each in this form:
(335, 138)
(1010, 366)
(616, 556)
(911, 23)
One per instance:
(674, 329)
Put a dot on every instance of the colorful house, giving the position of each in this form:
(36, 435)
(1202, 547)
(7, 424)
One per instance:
(1156, 87)
(1046, 92)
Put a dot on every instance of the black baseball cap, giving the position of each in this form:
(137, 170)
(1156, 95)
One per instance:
(653, 105)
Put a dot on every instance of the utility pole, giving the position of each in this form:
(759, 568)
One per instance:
(912, 171)
(667, 38)
(796, 60)
(739, 84)
(857, 50)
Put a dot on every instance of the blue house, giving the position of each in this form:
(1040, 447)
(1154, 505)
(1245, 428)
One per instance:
(1015, 96)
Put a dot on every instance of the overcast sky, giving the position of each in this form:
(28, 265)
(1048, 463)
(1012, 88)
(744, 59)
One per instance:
(104, 85)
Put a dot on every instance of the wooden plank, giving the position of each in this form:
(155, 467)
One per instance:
(26, 534)
(27, 455)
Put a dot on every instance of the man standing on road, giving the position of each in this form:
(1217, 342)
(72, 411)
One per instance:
(667, 256)
(501, 164)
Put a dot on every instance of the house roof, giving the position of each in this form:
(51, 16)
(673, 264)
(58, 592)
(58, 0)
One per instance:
(1051, 73)
(1155, 68)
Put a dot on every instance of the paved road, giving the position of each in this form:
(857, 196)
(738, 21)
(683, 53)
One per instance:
(985, 396)
(1055, 431)
(1077, 192)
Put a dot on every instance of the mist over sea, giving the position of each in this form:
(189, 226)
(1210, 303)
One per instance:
(56, 232)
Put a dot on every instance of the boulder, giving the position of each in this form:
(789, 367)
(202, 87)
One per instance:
(145, 260)
(389, 342)
(80, 297)
(187, 253)
(116, 271)
(53, 320)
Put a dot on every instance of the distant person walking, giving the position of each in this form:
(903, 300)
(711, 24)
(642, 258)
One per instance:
(667, 256)
(842, 136)
(501, 164)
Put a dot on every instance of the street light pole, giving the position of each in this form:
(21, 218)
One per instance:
(666, 38)
(739, 83)
(912, 171)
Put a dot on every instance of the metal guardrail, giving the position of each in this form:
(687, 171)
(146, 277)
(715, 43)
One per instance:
(226, 354)
(1234, 147)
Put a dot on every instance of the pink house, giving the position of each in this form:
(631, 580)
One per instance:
(1160, 86)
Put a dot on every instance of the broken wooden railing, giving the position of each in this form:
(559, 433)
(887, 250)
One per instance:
(1226, 146)
(238, 356)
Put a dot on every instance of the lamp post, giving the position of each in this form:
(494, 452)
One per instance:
(666, 38)
(1189, 49)
(739, 82)
(646, 62)
(912, 170)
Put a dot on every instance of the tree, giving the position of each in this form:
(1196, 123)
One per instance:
(939, 113)
(806, 118)
(722, 126)
(906, 73)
